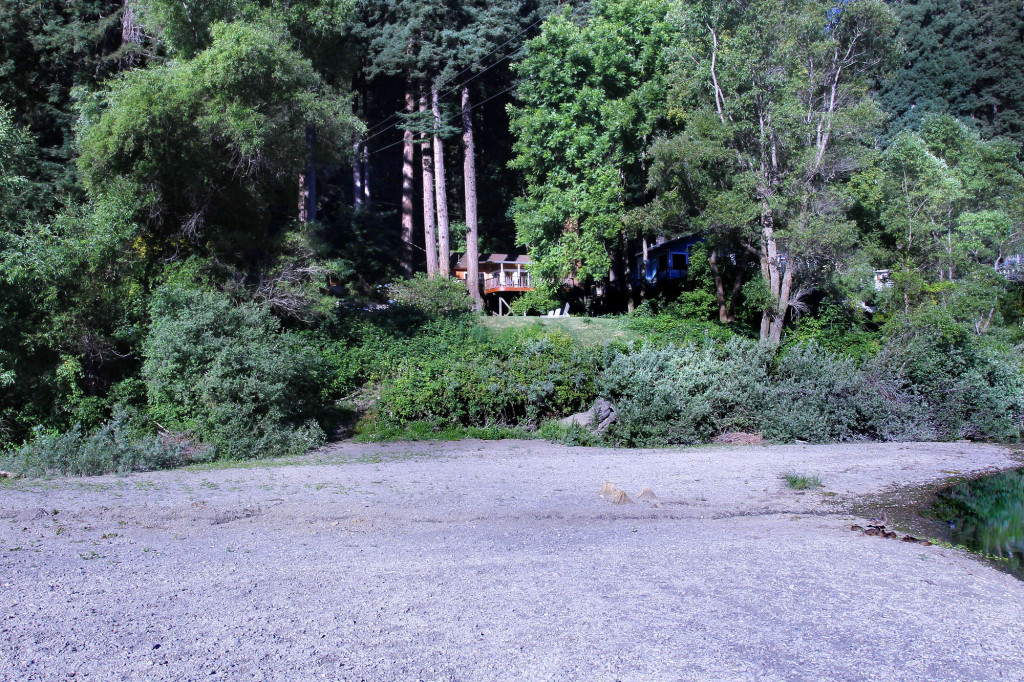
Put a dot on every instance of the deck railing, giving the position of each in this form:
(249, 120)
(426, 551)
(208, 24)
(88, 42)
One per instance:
(507, 278)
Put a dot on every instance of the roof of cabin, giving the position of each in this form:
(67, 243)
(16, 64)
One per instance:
(520, 258)
(677, 245)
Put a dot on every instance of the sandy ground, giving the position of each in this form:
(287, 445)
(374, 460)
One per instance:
(499, 561)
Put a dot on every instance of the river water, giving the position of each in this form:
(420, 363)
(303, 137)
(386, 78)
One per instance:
(987, 516)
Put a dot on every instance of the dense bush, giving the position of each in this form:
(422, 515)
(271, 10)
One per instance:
(929, 382)
(119, 446)
(686, 394)
(230, 375)
(432, 296)
(517, 379)
(821, 397)
(676, 323)
(693, 393)
(970, 386)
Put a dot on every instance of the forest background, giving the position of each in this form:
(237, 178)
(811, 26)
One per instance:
(227, 229)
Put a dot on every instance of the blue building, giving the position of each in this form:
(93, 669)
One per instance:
(666, 262)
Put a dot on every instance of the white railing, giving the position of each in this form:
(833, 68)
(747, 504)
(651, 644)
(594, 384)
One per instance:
(507, 278)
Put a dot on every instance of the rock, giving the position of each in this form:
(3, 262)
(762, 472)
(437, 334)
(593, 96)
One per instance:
(598, 418)
(619, 497)
(647, 494)
(739, 438)
(607, 489)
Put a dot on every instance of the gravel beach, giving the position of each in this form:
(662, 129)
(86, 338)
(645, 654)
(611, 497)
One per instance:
(499, 561)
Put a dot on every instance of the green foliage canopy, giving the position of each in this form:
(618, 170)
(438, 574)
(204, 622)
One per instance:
(212, 142)
(773, 98)
(590, 98)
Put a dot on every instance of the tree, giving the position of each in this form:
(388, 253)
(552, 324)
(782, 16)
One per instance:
(589, 99)
(775, 92)
(427, 172)
(484, 27)
(315, 28)
(949, 205)
(440, 190)
(17, 158)
(437, 47)
(47, 49)
(214, 142)
(962, 58)
(402, 38)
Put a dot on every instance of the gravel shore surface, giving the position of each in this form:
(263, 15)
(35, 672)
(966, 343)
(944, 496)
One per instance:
(499, 561)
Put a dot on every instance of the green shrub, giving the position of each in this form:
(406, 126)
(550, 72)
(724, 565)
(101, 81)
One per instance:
(821, 397)
(802, 482)
(691, 394)
(686, 395)
(118, 446)
(436, 297)
(517, 379)
(230, 375)
(542, 299)
(836, 330)
(678, 323)
(359, 346)
(573, 435)
(969, 385)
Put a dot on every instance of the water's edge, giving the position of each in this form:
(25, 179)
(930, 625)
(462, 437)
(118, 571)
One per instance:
(911, 508)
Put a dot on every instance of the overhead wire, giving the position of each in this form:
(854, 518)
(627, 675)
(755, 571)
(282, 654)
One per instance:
(397, 114)
(511, 54)
(452, 118)
(457, 75)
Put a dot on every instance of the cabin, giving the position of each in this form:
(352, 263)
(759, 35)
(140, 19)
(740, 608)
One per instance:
(503, 277)
(666, 262)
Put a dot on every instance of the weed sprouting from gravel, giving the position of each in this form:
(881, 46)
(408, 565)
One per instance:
(802, 482)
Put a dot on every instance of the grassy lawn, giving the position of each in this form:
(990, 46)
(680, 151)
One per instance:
(592, 331)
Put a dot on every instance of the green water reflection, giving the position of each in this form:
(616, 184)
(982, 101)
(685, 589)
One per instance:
(987, 515)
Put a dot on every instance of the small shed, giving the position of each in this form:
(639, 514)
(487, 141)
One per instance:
(667, 261)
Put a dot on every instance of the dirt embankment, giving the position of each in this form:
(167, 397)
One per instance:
(500, 561)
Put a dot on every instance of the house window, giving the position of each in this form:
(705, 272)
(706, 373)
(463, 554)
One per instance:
(662, 263)
(679, 261)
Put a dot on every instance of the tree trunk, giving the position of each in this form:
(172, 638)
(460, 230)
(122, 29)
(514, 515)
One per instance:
(407, 180)
(779, 284)
(357, 158)
(307, 182)
(357, 173)
(131, 34)
(779, 319)
(630, 304)
(441, 192)
(366, 175)
(716, 274)
(429, 225)
(469, 173)
(643, 273)
(737, 284)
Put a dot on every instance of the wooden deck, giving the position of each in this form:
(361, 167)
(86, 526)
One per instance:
(506, 289)
(505, 281)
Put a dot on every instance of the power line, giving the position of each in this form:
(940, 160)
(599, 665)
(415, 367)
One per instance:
(438, 86)
(511, 54)
(451, 118)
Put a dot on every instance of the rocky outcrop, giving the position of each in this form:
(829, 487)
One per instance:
(598, 418)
